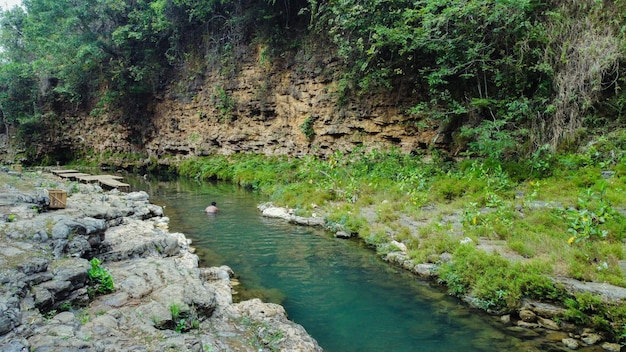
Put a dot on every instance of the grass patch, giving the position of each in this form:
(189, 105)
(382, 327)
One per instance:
(493, 282)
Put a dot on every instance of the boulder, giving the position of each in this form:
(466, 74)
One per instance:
(426, 270)
(608, 292)
(277, 212)
(543, 309)
(611, 347)
(547, 323)
(10, 316)
(271, 211)
(591, 338)
(527, 315)
(342, 234)
(72, 270)
(33, 265)
(570, 343)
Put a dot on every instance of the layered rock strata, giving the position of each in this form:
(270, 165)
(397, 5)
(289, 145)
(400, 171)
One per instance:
(293, 108)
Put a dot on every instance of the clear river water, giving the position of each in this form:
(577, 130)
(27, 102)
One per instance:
(343, 294)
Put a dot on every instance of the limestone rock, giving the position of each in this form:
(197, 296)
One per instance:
(307, 221)
(9, 318)
(543, 309)
(445, 257)
(43, 297)
(570, 343)
(611, 347)
(33, 265)
(609, 293)
(523, 332)
(527, 325)
(401, 246)
(400, 259)
(342, 234)
(548, 323)
(73, 270)
(140, 196)
(591, 338)
(13, 346)
(277, 212)
(160, 292)
(272, 324)
(271, 211)
(527, 315)
(426, 270)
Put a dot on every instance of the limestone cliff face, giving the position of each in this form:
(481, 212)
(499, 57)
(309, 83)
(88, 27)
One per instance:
(292, 107)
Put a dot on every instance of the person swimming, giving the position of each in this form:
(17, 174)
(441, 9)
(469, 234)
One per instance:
(211, 208)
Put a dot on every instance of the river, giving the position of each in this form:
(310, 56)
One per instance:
(343, 294)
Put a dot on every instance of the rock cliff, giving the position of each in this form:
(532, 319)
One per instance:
(291, 107)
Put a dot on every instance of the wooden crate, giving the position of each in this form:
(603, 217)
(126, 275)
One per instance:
(58, 198)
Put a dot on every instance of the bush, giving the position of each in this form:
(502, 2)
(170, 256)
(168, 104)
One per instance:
(100, 277)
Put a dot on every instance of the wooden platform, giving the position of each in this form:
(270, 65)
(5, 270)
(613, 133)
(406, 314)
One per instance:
(72, 175)
(63, 171)
(111, 184)
(104, 181)
(97, 178)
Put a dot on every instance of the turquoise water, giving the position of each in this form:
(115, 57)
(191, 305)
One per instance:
(346, 297)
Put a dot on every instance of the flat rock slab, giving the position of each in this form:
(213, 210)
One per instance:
(608, 292)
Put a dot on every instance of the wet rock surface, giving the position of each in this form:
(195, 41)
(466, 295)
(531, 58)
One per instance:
(162, 300)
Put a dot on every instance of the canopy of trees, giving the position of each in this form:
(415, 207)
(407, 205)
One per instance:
(510, 70)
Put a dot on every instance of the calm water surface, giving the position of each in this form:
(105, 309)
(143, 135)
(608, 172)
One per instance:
(342, 293)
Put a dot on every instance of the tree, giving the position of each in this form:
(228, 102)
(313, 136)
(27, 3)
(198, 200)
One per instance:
(505, 68)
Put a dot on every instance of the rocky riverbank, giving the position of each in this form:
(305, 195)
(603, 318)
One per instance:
(542, 324)
(162, 300)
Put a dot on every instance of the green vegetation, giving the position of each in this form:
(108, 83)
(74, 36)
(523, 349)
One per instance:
(224, 103)
(508, 232)
(307, 127)
(109, 57)
(508, 79)
(100, 278)
(183, 320)
(179, 322)
(510, 71)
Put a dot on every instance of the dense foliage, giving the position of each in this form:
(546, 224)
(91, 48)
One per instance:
(62, 55)
(506, 71)
(510, 70)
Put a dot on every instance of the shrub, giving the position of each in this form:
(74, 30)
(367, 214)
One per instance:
(100, 277)
(307, 127)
